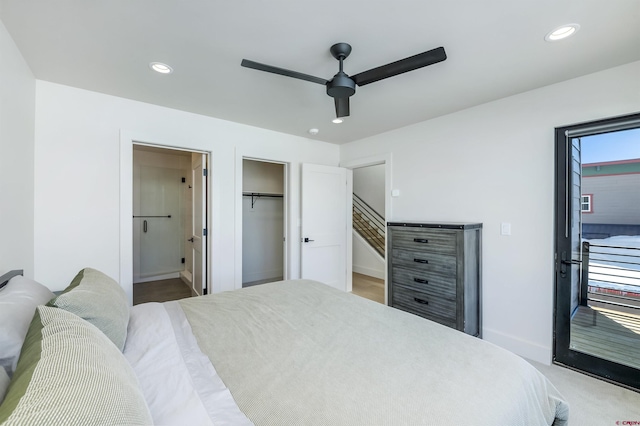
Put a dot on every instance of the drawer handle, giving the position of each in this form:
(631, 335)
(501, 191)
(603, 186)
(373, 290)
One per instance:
(421, 281)
(421, 301)
(420, 260)
(420, 240)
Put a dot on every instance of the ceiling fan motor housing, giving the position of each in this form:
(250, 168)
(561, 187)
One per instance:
(341, 86)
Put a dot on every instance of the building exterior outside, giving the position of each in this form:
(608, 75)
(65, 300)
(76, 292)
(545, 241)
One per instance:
(611, 198)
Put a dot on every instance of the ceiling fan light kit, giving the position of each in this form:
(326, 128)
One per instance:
(342, 86)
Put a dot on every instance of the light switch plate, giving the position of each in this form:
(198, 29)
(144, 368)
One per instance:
(505, 228)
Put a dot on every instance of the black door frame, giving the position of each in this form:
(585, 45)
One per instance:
(562, 354)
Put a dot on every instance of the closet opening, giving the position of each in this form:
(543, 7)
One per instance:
(170, 217)
(263, 222)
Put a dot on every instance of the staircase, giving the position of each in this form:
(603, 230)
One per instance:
(369, 224)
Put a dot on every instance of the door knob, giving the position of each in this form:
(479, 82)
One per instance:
(307, 240)
(190, 239)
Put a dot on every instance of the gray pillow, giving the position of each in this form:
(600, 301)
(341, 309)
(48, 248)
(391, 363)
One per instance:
(18, 301)
(98, 299)
(70, 373)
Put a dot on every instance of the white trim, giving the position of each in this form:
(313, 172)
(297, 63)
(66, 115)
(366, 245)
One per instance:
(158, 277)
(349, 222)
(589, 198)
(127, 140)
(240, 155)
(373, 160)
(263, 275)
(126, 213)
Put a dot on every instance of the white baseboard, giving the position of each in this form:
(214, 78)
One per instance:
(368, 271)
(186, 278)
(525, 349)
(156, 278)
(261, 275)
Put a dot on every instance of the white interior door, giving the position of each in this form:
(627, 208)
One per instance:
(326, 222)
(199, 223)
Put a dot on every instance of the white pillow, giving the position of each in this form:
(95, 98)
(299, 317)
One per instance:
(18, 301)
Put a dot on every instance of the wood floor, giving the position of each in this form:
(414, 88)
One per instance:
(368, 287)
(160, 291)
(607, 334)
(174, 289)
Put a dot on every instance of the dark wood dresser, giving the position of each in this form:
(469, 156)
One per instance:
(435, 271)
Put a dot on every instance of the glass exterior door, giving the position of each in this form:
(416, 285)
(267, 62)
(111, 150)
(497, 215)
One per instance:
(597, 326)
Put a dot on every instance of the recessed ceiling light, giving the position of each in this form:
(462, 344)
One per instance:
(161, 68)
(562, 32)
(313, 131)
(337, 120)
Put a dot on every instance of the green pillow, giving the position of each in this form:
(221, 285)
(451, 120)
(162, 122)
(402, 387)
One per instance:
(69, 373)
(98, 299)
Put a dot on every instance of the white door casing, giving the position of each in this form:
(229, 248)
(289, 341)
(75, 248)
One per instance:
(326, 223)
(199, 212)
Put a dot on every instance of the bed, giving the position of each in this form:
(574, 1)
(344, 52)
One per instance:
(291, 352)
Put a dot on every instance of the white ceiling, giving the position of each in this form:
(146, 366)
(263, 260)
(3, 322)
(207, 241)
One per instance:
(495, 48)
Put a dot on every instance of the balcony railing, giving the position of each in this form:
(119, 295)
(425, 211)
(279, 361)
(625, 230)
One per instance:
(612, 275)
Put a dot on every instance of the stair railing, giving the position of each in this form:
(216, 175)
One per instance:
(374, 230)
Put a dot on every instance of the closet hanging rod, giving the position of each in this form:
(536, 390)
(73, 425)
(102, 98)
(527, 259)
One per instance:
(255, 195)
(167, 215)
(260, 194)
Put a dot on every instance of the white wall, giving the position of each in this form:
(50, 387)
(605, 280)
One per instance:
(365, 259)
(262, 176)
(495, 163)
(77, 178)
(262, 231)
(368, 184)
(17, 116)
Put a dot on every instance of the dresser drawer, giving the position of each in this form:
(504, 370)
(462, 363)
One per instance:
(440, 241)
(435, 308)
(432, 284)
(425, 261)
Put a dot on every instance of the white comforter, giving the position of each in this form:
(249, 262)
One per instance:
(300, 352)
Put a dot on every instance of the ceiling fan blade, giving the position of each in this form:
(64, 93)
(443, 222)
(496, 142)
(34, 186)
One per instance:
(287, 73)
(403, 65)
(342, 107)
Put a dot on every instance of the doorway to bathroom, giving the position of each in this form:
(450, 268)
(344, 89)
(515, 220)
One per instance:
(169, 223)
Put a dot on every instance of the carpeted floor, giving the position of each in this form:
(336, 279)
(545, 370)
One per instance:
(592, 401)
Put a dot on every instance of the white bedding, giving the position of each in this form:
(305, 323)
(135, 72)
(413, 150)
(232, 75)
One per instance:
(178, 381)
(300, 352)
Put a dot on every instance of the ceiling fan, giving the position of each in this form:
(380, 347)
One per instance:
(342, 86)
